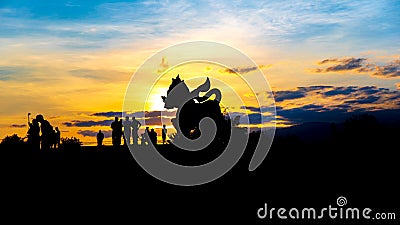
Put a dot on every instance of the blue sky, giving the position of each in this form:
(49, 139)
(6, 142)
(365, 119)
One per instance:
(102, 24)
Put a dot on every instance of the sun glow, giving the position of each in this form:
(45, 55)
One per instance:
(154, 101)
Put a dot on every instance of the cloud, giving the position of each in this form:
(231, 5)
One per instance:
(90, 133)
(340, 91)
(254, 118)
(153, 121)
(314, 88)
(138, 114)
(89, 123)
(251, 108)
(5, 73)
(97, 74)
(243, 70)
(14, 73)
(359, 65)
(107, 114)
(18, 125)
(270, 21)
(302, 104)
(331, 103)
(362, 95)
(160, 114)
(299, 92)
(398, 86)
(152, 114)
(285, 95)
(145, 117)
(311, 107)
(364, 100)
(304, 114)
(390, 70)
(327, 61)
(307, 113)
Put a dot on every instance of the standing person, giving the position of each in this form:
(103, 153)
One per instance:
(47, 132)
(143, 142)
(34, 134)
(146, 136)
(153, 136)
(114, 134)
(57, 138)
(100, 138)
(120, 132)
(164, 133)
(135, 129)
(127, 130)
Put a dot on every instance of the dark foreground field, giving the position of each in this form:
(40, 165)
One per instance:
(91, 184)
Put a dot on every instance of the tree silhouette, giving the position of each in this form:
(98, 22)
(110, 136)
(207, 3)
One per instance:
(70, 143)
(361, 122)
(12, 140)
(361, 128)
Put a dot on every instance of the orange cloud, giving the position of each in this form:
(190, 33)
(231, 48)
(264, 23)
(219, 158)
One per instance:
(359, 65)
(390, 70)
(244, 70)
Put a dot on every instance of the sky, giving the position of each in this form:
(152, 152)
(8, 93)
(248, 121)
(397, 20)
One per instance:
(72, 61)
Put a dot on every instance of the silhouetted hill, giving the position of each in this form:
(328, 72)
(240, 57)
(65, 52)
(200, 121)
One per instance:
(304, 168)
(389, 118)
(308, 132)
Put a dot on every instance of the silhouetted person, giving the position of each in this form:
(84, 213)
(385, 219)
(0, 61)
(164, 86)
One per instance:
(135, 129)
(145, 135)
(116, 134)
(100, 138)
(47, 132)
(127, 130)
(57, 138)
(153, 136)
(164, 134)
(120, 132)
(34, 134)
(143, 139)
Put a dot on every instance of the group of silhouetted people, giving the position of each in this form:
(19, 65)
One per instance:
(49, 138)
(129, 129)
(126, 129)
(116, 135)
(152, 134)
(41, 134)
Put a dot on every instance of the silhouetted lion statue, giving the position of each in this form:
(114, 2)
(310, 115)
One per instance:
(191, 108)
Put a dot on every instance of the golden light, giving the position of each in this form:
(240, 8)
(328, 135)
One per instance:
(154, 100)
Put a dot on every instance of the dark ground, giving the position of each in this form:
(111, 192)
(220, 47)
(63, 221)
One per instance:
(91, 185)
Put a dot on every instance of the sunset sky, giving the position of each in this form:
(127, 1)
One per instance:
(73, 60)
